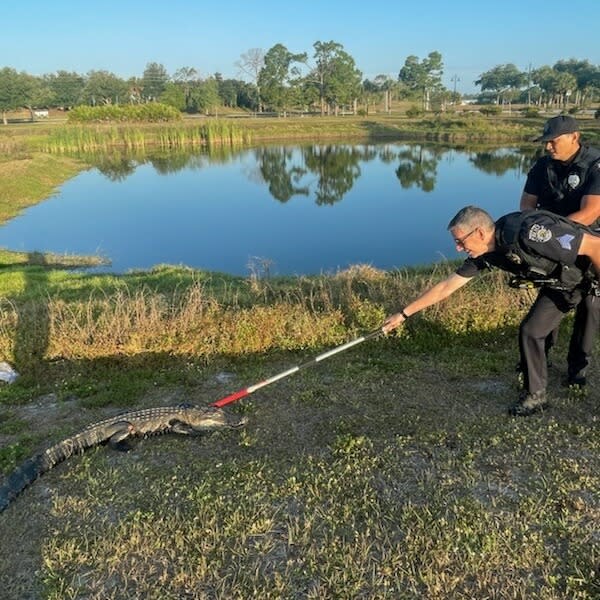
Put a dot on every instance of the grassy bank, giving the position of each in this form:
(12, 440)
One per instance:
(66, 137)
(28, 178)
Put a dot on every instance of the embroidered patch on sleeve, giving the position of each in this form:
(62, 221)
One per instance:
(565, 241)
(539, 233)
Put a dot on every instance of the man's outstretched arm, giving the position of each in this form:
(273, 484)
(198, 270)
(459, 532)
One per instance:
(440, 291)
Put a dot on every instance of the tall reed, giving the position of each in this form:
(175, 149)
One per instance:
(88, 138)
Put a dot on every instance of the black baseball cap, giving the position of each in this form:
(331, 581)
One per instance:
(557, 126)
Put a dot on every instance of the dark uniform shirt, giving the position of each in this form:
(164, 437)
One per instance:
(560, 186)
(540, 235)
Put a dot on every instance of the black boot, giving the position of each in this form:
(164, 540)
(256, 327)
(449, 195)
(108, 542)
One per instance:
(529, 404)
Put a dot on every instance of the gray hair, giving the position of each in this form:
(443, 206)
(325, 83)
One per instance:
(470, 217)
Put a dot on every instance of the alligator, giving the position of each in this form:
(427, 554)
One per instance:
(116, 432)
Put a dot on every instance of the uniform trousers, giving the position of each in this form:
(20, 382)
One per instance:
(543, 319)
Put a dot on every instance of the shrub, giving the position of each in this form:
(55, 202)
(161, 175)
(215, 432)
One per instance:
(491, 110)
(152, 112)
(530, 112)
(414, 111)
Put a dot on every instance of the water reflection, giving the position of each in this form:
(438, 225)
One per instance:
(336, 169)
(500, 161)
(281, 172)
(214, 210)
(327, 171)
(115, 167)
(418, 167)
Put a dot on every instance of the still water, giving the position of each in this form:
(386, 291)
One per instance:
(289, 210)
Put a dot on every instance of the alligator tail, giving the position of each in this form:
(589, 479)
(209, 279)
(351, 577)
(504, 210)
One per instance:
(36, 466)
(20, 478)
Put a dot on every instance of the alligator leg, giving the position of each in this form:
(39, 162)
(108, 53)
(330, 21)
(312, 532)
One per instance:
(183, 428)
(119, 439)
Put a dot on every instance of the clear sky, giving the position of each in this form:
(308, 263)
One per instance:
(123, 36)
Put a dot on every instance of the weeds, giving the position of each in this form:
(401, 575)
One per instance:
(250, 316)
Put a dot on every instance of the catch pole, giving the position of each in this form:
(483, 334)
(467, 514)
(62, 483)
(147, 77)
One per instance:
(249, 390)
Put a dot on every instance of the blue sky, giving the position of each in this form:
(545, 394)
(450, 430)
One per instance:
(122, 36)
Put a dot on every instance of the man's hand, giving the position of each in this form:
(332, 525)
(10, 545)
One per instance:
(392, 322)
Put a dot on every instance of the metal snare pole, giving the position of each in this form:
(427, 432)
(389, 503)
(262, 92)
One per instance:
(247, 391)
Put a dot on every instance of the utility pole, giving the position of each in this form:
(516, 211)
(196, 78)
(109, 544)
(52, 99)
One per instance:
(529, 85)
(455, 79)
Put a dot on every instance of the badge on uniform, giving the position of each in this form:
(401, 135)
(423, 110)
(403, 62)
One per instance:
(539, 233)
(573, 180)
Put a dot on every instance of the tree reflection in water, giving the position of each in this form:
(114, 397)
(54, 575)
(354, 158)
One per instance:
(278, 169)
(336, 168)
(418, 167)
(500, 161)
(326, 171)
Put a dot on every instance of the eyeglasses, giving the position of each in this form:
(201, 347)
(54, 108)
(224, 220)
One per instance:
(460, 242)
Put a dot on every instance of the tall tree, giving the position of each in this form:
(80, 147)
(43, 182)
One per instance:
(14, 91)
(586, 74)
(39, 94)
(103, 87)
(174, 96)
(503, 80)
(566, 84)
(187, 79)
(154, 80)
(555, 85)
(205, 96)
(380, 89)
(250, 64)
(335, 75)
(66, 87)
(276, 77)
(424, 76)
(228, 91)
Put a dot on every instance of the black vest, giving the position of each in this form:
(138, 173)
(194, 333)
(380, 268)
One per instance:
(563, 186)
(530, 265)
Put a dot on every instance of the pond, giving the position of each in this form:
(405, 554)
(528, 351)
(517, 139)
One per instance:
(283, 210)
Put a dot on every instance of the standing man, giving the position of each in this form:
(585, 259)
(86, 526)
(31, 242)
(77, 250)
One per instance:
(562, 253)
(567, 182)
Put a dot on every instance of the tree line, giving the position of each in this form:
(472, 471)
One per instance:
(282, 81)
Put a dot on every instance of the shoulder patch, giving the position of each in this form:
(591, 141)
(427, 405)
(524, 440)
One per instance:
(539, 233)
(565, 240)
